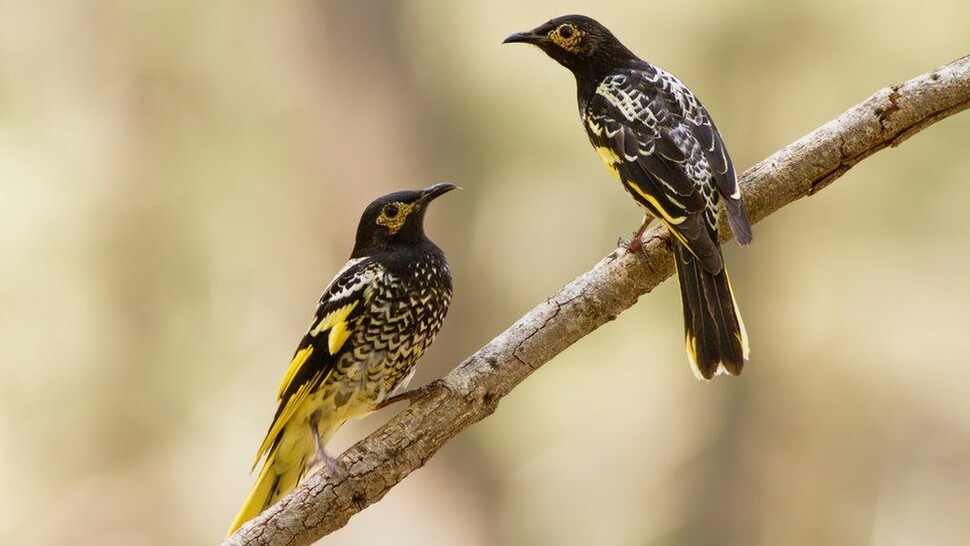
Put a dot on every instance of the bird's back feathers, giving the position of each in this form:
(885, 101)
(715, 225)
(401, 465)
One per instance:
(666, 150)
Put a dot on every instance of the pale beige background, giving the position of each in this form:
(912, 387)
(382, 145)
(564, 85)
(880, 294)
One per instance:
(180, 179)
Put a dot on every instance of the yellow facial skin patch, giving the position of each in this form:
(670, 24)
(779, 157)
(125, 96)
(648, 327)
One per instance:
(570, 44)
(394, 222)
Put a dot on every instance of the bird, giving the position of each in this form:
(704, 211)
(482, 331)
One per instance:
(373, 322)
(656, 137)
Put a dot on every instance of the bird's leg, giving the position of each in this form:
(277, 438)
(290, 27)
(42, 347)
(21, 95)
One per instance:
(333, 464)
(636, 244)
(406, 395)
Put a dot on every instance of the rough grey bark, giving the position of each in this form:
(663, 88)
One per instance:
(470, 392)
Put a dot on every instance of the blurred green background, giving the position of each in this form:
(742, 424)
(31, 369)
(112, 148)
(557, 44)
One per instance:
(181, 179)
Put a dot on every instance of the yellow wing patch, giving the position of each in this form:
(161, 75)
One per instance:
(675, 220)
(338, 335)
(298, 359)
(609, 158)
(336, 322)
(292, 405)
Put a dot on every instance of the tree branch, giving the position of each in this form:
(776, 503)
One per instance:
(470, 392)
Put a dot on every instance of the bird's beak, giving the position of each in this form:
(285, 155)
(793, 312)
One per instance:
(433, 192)
(528, 37)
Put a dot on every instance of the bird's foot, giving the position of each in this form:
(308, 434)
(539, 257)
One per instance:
(634, 245)
(320, 457)
(335, 466)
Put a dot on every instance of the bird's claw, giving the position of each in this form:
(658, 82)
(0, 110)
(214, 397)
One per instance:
(406, 395)
(335, 466)
(634, 245)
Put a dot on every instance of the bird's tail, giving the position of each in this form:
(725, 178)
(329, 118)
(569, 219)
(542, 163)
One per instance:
(716, 339)
(277, 478)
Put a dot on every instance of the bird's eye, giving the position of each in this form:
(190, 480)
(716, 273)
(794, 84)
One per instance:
(566, 31)
(391, 210)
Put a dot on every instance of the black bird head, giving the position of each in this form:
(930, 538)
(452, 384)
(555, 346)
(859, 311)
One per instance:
(577, 42)
(397, 219)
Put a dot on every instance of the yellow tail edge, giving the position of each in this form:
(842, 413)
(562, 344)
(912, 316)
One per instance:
(258, 497)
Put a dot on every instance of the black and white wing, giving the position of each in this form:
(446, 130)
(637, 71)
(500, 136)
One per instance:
(656, 137)
(342, 307)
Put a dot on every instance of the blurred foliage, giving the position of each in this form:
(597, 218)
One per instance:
(180, 179)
